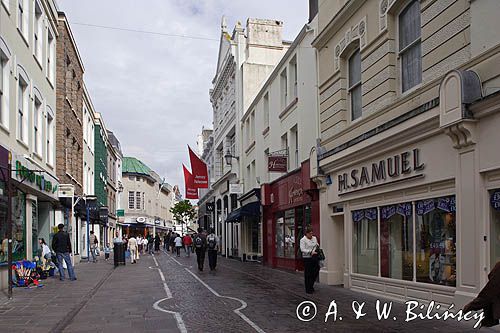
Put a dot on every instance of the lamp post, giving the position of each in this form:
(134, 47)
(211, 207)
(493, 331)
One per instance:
(228, 157)
(89, 200)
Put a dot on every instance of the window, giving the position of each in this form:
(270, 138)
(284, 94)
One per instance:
(85, 124)
(37, 128)
(283, 89)
(4, 90)
(284, 146)
(232, 145)
(280, 239)
(22, 107)
(252, 126)
(409, 46)
(50, 137)
(354, 89)
(38, 32)
(22, 17)
(266, 169)
(137, 200)
(295, 138)
(266, 110)
(293, 77)
(131, 201)
(495, 228)
(18, 224)
(143, 200)
(51, 55)
(365, 242)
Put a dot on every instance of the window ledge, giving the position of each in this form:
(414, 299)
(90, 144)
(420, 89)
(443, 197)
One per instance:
(265, 131)
(50, 165)
(23, 37)
(38, 156)
(38, 62)
(250, 147)
(22, 143)
(289, 107)
(50, 82)
(7, 9)
(4, 128)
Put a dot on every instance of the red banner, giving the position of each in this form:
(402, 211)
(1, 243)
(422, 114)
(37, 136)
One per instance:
(277, 164)
(199, 169)
(191, 190)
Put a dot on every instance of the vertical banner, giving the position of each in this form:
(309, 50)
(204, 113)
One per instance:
(191, 190)
(199, 170)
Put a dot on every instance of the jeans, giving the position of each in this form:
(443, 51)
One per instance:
(212, 259)
(187, 248)
(200, 257)
(92, 252)
(178, 250)
(65, 256)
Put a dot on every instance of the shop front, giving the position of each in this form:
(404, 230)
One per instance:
(290, 204)
(412, 212)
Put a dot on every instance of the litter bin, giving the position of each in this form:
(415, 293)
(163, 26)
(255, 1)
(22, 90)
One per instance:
(119, 254)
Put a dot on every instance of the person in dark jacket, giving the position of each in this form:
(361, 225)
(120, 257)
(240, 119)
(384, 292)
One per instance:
(61, 244)
(157, 243)
(200, 247)
(488, 299)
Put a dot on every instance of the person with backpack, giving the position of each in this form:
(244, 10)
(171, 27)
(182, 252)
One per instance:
(200, 246)
(213, 248)
(61, 244)
(93, 245)
(188, 243)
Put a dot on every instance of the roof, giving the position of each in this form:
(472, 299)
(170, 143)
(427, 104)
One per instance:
(133, 165)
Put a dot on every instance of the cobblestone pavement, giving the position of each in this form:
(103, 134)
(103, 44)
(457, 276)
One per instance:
(165, 293)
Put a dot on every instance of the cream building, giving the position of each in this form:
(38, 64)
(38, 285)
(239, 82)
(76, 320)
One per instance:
(28, 32)
(281, 120)
(408, 162)
(246, 57)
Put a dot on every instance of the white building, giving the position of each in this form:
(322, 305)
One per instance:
(28, 32)
(245, 60)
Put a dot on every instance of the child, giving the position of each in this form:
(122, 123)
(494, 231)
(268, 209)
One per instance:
(107, 250)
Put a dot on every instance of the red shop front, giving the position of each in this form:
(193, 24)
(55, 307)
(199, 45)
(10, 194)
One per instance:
(290, 203)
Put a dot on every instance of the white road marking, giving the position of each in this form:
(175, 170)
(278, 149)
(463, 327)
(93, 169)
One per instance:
(238, 310)
(173, 258)
(156, 305)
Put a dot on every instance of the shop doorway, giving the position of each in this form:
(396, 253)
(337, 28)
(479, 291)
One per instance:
(337, 257)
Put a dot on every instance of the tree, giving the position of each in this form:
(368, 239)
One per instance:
(183, 211)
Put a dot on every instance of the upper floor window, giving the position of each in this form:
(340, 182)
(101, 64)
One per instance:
(22, 107)
(284, 88)
(51, 56)
(38, 32)
(293, 77)
(266, 110)
(131, 200)
(22, 17)
(37, 126)
(50, 137)
(355, 85)
(409, 46)
(4, 90)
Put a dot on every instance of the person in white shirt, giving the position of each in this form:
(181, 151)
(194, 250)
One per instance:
(46, 254)
(178, 244)
(309, 246)
(132, 247)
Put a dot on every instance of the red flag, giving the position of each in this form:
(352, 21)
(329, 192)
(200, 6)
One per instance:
(200, 171)
(191, 191)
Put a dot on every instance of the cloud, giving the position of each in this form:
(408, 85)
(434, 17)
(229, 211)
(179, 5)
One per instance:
(152, 90)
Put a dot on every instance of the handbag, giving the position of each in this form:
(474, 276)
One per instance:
(321, 254)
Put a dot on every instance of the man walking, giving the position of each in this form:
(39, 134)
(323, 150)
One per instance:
(61, 244)
(178, 244)
(200, 246)
(188, 243)
(213, 248)
(93, 245)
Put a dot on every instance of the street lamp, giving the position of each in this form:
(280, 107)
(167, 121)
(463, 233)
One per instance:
(90, 204)
(228, 157)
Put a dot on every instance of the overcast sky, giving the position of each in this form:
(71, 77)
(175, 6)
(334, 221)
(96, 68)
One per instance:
(152, 89)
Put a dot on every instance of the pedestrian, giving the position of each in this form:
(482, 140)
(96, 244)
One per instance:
(188, 243)
(139, 244)
(213, 249)
(61, 244)
(93, 245)
(488, 299)
(144, 245)
(172, 242)
(107, 251)
(200, 244)
(132, 247)
(309, 247)
(46, 254)
(151, 244)
(166, 237)
(178, 245)
(157, 242)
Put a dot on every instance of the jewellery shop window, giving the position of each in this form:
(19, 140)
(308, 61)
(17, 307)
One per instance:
(285, 234)
(18, 227)
(365, 241)
(495, 227)
(436, 241)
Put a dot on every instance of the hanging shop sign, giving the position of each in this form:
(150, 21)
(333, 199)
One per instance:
(27, 173)
(210, 206)
(277, 161)
(380, 172)
(295, 190)
(235, 188)
(495, 200)
(141, 219)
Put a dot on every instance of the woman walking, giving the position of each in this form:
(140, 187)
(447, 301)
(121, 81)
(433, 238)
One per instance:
(309, 246)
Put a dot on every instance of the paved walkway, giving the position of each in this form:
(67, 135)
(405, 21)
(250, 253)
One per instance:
(165, 293)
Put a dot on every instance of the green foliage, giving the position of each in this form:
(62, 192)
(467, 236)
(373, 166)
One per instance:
(183, 211)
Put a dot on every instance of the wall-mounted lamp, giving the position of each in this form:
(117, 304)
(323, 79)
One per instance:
(228, 157)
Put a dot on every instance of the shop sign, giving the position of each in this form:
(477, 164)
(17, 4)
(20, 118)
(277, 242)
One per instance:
(235, 188)
(210, 206)
(381, 171)
(495, 200)
(35, 179)
(277, 164)
(295, 190)
(141, 219)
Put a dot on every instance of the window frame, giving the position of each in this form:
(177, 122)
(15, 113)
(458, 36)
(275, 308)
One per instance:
(37, 125)
(4, 90)
(49, 136)
(356, 85)
(51, 61)
(22, 109)
(38, 18)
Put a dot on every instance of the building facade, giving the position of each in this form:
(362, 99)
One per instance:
(116, 164)
(98, 224)
(28, 34)
(278, 131)
(406, 166)
(245, 59)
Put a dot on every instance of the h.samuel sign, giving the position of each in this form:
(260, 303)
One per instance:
(383, 171)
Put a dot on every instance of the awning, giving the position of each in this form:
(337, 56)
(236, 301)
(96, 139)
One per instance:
(251, 209)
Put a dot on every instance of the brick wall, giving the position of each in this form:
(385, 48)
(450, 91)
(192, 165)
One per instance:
(69, 111)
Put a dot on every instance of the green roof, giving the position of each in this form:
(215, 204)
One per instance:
(133, 165)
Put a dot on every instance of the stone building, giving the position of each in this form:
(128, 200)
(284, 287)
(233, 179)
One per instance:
(408, 164)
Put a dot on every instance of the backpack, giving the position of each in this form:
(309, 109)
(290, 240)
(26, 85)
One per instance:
(212, 242)
(198, 242)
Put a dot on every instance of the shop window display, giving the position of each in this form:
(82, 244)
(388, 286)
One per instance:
(495, 228)
(280, 239)
(18, 226)
(396, 241)
(34, 224)
(289, 233)
(3, 222)
(365, 241)
(436, 241)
